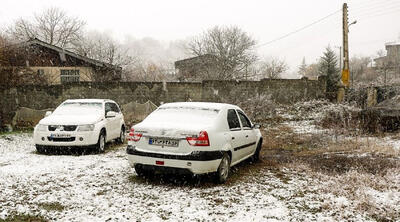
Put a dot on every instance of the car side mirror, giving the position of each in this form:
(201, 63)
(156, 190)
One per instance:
(48, 113)
(256, 126)
(111, 114)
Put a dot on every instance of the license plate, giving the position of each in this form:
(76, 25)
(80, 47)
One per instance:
(58, 135)
(163, 142)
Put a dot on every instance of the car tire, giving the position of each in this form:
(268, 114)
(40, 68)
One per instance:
(122, 134)
(256, 155)
(101, 142)
(40, 149)
(140, 171)
(222, 173)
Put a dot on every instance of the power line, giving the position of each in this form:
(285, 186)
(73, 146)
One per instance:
(372, 5)
(397, 10)
(298, 30)
(377, 10)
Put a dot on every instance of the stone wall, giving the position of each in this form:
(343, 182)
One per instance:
(282, 91)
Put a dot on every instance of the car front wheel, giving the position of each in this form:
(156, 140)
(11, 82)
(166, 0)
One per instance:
(223, 169)
(101, 143)
(40, 149)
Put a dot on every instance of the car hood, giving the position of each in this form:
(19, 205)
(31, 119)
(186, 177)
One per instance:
(55, 119)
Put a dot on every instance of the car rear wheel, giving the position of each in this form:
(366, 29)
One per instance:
(223, 169)
(140, 171)
(101, 143)
(121, 138)
(256, 155)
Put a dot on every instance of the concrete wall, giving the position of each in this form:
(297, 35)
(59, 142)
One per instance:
(45, 97)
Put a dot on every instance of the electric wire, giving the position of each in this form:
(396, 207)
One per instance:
(298, 30)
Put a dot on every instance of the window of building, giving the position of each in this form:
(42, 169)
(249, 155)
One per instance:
(68, 75)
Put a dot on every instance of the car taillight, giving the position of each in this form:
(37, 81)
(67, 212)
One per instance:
(134, 136)
(200, 140)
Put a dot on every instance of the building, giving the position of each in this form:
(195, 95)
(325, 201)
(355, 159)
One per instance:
(392, 58)
(56, 65)
(196, 68)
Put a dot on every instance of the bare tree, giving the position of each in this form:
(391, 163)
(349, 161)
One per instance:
(303, 68)
(145, 70)
(53, 26)
(358, 67)
(312, 71)
(232, 48)
(102, 47)
(273, 68)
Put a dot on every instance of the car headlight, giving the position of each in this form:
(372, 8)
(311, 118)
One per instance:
(88, 127)
(41, 127)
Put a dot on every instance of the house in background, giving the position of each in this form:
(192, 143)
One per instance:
(57, 65)
(392, 58)
(196, 68)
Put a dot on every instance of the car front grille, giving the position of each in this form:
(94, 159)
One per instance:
(68, 139)
(62, 127)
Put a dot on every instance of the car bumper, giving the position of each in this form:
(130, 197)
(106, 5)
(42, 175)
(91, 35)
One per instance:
(75, 138)
(197, 162)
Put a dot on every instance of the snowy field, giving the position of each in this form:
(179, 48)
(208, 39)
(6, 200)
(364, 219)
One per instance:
(307, 173)
(102, 187)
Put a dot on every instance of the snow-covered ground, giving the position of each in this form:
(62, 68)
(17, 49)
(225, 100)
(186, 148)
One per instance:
(102, 187)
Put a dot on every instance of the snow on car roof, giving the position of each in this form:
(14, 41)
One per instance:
(88, 100)
(201, 105)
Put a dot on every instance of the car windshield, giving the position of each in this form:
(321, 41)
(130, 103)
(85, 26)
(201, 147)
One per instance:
(186, 115)
(78, 108)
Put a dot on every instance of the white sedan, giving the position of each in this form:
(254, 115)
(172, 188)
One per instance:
(80, 122)
(193, 137)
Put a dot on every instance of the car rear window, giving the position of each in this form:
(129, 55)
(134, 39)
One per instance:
(187, 115)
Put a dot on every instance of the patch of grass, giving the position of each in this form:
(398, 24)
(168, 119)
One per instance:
(282, 176)
(283, 137)
(24, 218)
(101, 192)
(114, 146)
(16, 132)
(52, 206)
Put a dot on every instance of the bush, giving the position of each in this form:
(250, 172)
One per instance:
(259, 108)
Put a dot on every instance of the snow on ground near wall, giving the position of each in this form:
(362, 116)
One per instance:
(97, 188)
(102, 187)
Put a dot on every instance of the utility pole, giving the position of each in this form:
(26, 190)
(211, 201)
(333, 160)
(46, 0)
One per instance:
(340, 57)
(345, 70)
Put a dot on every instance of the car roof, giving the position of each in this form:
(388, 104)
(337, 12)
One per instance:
(201, 105)
(89, 100)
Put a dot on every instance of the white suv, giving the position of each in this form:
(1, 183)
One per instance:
(193, 137)
(80, 122)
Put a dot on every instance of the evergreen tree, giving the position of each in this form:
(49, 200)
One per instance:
(329, 66)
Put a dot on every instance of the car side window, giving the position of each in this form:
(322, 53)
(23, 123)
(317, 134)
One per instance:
(114, 108)
(233, 120)
(108, 107)
(243, 118)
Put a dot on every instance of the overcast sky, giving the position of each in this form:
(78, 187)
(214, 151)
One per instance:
(166, 20)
